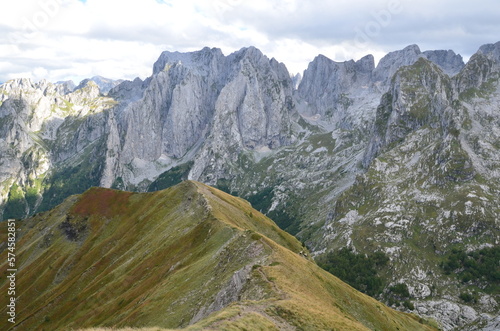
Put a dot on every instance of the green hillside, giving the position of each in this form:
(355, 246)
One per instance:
(187, 257)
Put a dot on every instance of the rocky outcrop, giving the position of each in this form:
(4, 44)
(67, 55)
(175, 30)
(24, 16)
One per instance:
(419, 95)
(330, 88)
(65, 87)
(44, 127)
(225, 104)
(230, 292)
(448, 61)
(492, 52)
(482, 68)
(254, 110)
(104, 84)
(390, 63)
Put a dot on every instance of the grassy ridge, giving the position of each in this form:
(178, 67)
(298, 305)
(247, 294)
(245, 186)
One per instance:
(189, 256)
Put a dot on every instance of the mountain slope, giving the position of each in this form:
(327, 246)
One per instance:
(401, 157)
(170, 259)
(431, 187)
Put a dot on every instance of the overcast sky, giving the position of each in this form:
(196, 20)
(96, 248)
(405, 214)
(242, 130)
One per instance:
(74, 39)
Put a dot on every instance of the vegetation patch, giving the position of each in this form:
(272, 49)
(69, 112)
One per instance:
(468, 297)
(285, 221)
(255, 236)
(224, 185)
(101, 201)
(358, 270)
(480, 266)
(16, 204)
(74, 228)
(171, 177)
(398, 294)
(262, 200)
(33, 190)
(118, 184)
(384, 111)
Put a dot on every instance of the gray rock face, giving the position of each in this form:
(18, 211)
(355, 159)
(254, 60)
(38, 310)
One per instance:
(296, 79)
(492, 51)
(104, 84)
(389, 64)
(254, 110)
(412, 102)
(200, 102)
(450, 62)
(129, 91)
(65, 87)
(434, 137)
(228, 294)
(206, 61)
(327, 86)
(453, 314)
(42, 127)
(482, 68)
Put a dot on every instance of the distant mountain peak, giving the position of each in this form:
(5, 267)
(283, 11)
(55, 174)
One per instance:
(104, 84)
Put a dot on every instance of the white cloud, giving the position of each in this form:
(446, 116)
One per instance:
(69, 39)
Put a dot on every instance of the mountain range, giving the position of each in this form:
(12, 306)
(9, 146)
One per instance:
(400, 158)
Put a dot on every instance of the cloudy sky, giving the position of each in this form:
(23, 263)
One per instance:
(74, 39)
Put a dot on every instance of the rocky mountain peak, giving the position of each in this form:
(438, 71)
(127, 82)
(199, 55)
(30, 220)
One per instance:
(201, 59)
(366, 64)
(104, 84)
(87, 88)
(450, 62)
(391, 62)
(252, 59)
(65, 87)
(418, 95)
(492, 51)
(250, 52)
(296, 79)
(129, 91)
(482, 68)
(336, 77)
(18, 84)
